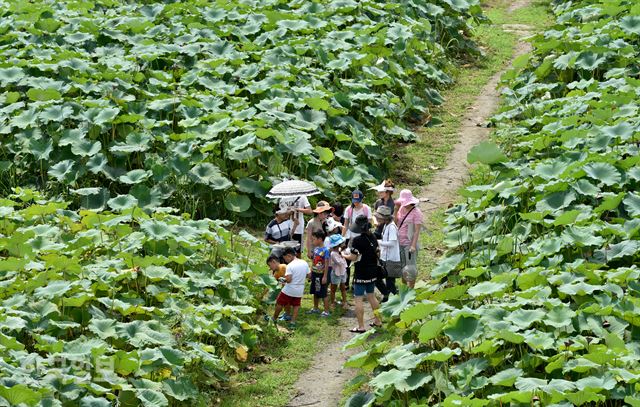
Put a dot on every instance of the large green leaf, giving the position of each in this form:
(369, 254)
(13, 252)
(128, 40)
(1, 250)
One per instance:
(64, 171)
(360, 399)
(181, 389)
(398, 302)
(389, 378)
(122, 202)
(134, 176)
(11, 75)
(486, 288)
(152, 398)
(20, 394)
(603, 172)
(236, 202)
(43, 95)
(631, 24)
(464, 330)
(486, 153)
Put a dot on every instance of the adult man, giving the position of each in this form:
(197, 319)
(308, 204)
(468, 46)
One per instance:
(298, 206)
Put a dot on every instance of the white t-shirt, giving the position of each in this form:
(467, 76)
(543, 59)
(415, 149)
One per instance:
(351, 213)
(298, 270)
(298, 202)
(389, 245)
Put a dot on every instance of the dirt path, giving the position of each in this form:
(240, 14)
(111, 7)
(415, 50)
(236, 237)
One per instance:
(322, 384)
(443, 188)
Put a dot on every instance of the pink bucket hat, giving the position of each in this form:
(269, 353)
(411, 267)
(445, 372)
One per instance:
(406, 198)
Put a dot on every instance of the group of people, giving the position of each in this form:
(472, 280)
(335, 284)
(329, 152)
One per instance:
(381, 243)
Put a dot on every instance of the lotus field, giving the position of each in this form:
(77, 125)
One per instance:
(126, 127)
(537, 301)
(202, 105)
(97, 307)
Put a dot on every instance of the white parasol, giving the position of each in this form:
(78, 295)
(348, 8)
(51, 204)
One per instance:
(293, 188)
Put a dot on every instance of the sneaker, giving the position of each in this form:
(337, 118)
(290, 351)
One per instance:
(268, 318)
(339, 303)
(313, 311)
(324, 314)
(285, 317)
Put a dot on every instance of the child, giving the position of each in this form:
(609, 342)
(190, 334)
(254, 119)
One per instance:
(279, 270)
(319, 273)
(297, 271)
(338, 269)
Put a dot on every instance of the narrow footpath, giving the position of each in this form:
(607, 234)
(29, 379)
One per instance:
(322, 384)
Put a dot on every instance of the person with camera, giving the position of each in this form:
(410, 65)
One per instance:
(364, 253)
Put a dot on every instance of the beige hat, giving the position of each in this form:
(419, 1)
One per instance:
(322, 206)
(383, 211)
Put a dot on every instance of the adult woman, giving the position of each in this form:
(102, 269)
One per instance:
(364, 252)
(320, 214)
(410, 221)
(385, 198)
(389, 247)
(357, 208)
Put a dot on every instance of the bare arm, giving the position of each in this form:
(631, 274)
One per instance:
(308, 241)
(307, 210)
(296, 222)
(416, 237)
(350, 257)
(347, 223)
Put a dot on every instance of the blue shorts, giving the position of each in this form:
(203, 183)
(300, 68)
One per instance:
(359, 289)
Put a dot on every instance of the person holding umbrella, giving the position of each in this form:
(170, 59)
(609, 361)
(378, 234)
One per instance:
(292, 195)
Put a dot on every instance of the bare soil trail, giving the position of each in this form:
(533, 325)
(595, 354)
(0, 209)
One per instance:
(321, 385)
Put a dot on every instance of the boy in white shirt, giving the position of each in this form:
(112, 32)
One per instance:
(293, 290)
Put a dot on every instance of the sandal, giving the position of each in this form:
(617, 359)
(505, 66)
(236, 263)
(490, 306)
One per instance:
(375, 325)
(357, 330)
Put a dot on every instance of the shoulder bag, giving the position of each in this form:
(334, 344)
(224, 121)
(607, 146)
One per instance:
(393, 268)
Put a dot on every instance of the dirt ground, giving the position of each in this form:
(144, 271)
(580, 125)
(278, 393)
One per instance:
(322, 384)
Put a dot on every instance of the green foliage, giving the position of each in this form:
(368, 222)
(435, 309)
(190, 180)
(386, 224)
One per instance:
(98, 307)
(175, 103)
(536, 300)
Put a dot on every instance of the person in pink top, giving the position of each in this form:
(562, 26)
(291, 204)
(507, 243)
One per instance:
(409, 221)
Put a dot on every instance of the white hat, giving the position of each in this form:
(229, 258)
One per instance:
(385, 186)
(332, 224)
(283, 211)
